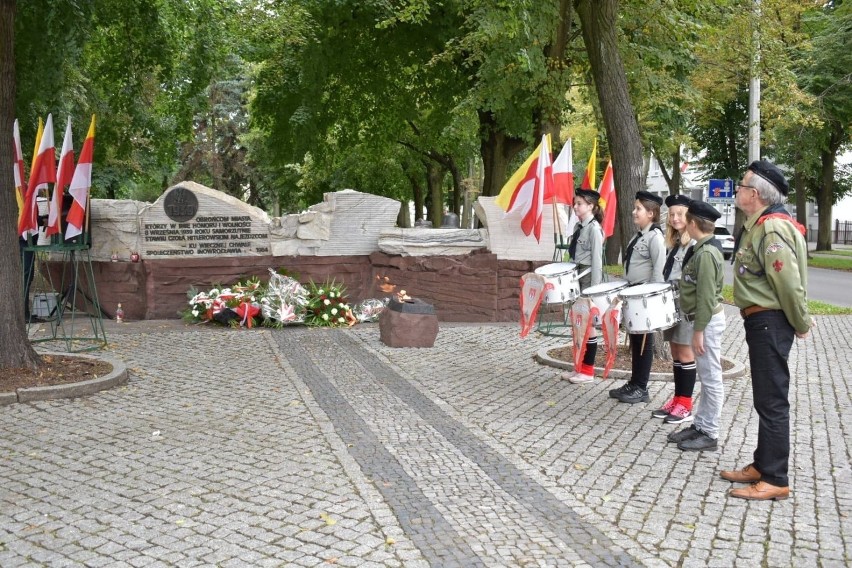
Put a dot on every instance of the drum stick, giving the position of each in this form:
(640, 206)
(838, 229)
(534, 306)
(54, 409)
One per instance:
(642, 349)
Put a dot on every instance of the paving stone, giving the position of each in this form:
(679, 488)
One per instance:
(326, 443)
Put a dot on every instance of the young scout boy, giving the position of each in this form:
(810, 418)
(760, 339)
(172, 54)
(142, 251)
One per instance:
(701, 303)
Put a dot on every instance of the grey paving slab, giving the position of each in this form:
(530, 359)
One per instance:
(305, 447)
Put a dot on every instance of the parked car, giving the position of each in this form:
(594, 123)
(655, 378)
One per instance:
(724, 236)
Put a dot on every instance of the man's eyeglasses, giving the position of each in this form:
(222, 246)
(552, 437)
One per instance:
(743, 186)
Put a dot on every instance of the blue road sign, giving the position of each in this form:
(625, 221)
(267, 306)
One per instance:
(720, 190)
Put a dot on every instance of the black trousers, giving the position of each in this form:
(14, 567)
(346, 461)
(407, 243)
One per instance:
(642, 357)
(769, 337)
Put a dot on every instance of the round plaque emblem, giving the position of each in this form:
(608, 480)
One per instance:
(180, 205)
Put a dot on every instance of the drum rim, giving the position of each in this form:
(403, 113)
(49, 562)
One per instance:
(573, 268)
(656, 328)
(626, 293)
(624, 284)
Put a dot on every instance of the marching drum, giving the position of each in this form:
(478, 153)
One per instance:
(564, 279)
(602, 295)
(649, 307)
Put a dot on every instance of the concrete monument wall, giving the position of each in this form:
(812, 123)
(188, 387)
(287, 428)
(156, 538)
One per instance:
(194, 236)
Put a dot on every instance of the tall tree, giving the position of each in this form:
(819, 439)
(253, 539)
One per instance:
(825, 73)
(17, 351)
(599, 22)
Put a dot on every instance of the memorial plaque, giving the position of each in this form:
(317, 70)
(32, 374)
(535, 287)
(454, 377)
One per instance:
(180, 204)
(220, 226)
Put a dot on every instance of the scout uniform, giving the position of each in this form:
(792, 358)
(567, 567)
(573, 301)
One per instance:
(678, 409)
(770, 288)
(586, 250)
(771, 268)
(701, 304)
(587, 244)
(646, 256)
(643, 262)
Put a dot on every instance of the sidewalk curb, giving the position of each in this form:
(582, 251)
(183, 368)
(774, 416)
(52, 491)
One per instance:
(118, 376)
(541, 356)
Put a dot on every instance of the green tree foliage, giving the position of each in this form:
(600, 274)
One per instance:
(136, 64)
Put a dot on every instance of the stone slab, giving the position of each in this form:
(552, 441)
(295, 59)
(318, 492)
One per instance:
(505, 237)
(432, 242)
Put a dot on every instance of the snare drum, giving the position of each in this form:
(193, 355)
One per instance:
(563, 277)
(602, 295)
(649, 307)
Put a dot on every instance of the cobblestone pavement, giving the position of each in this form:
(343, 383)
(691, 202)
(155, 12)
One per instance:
(307, 447)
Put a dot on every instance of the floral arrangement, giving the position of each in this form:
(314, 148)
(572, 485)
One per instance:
(327, 306)
(282, 301)
(235, 305)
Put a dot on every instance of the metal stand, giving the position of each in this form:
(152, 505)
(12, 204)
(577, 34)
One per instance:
(75, 294)
(559, 328)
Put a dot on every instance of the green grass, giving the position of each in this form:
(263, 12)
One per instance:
(838, 262)
(838, 252)
(815, 307)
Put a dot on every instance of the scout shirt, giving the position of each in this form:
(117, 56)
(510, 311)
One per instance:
(679, 252)
(701, 282)
(589, 251)
(647, 257)
(770, 268)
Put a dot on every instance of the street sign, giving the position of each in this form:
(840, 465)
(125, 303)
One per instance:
(720, 191)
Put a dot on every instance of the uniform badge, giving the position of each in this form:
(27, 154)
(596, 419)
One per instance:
(774, 247)
(741, 269)
(777, 265)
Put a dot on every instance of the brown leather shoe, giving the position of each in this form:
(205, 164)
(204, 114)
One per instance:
(761, 491)
(748, 474)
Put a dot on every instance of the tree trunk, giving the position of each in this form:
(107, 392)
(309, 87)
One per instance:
(416, 193)
(825, 199)
(403, 220)
(435, 180)
(801, 197)
(457, 185)
(17, 350)
(599, 26)
(497, 151)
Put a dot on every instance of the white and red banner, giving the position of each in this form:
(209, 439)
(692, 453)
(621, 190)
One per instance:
(63, 178)
(81, 183)
(42, 173)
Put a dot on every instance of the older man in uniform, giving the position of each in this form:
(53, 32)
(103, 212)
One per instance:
(770, 283)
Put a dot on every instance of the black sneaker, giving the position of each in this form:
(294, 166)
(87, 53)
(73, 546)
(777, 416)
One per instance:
(634, 395)
(700, 443)
(615, 393)
(685, 434)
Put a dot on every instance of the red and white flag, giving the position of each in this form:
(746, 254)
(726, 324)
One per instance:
(563, 177)
(63, 178)
(608, 201)
(531, 223)
(80, 185)
(20, 181)
(43, 172)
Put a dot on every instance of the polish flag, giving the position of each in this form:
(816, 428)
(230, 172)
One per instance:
(531, 222)
(80, 185)
(63, 178)
(563, 177)
(20, 182)
(43, 172)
